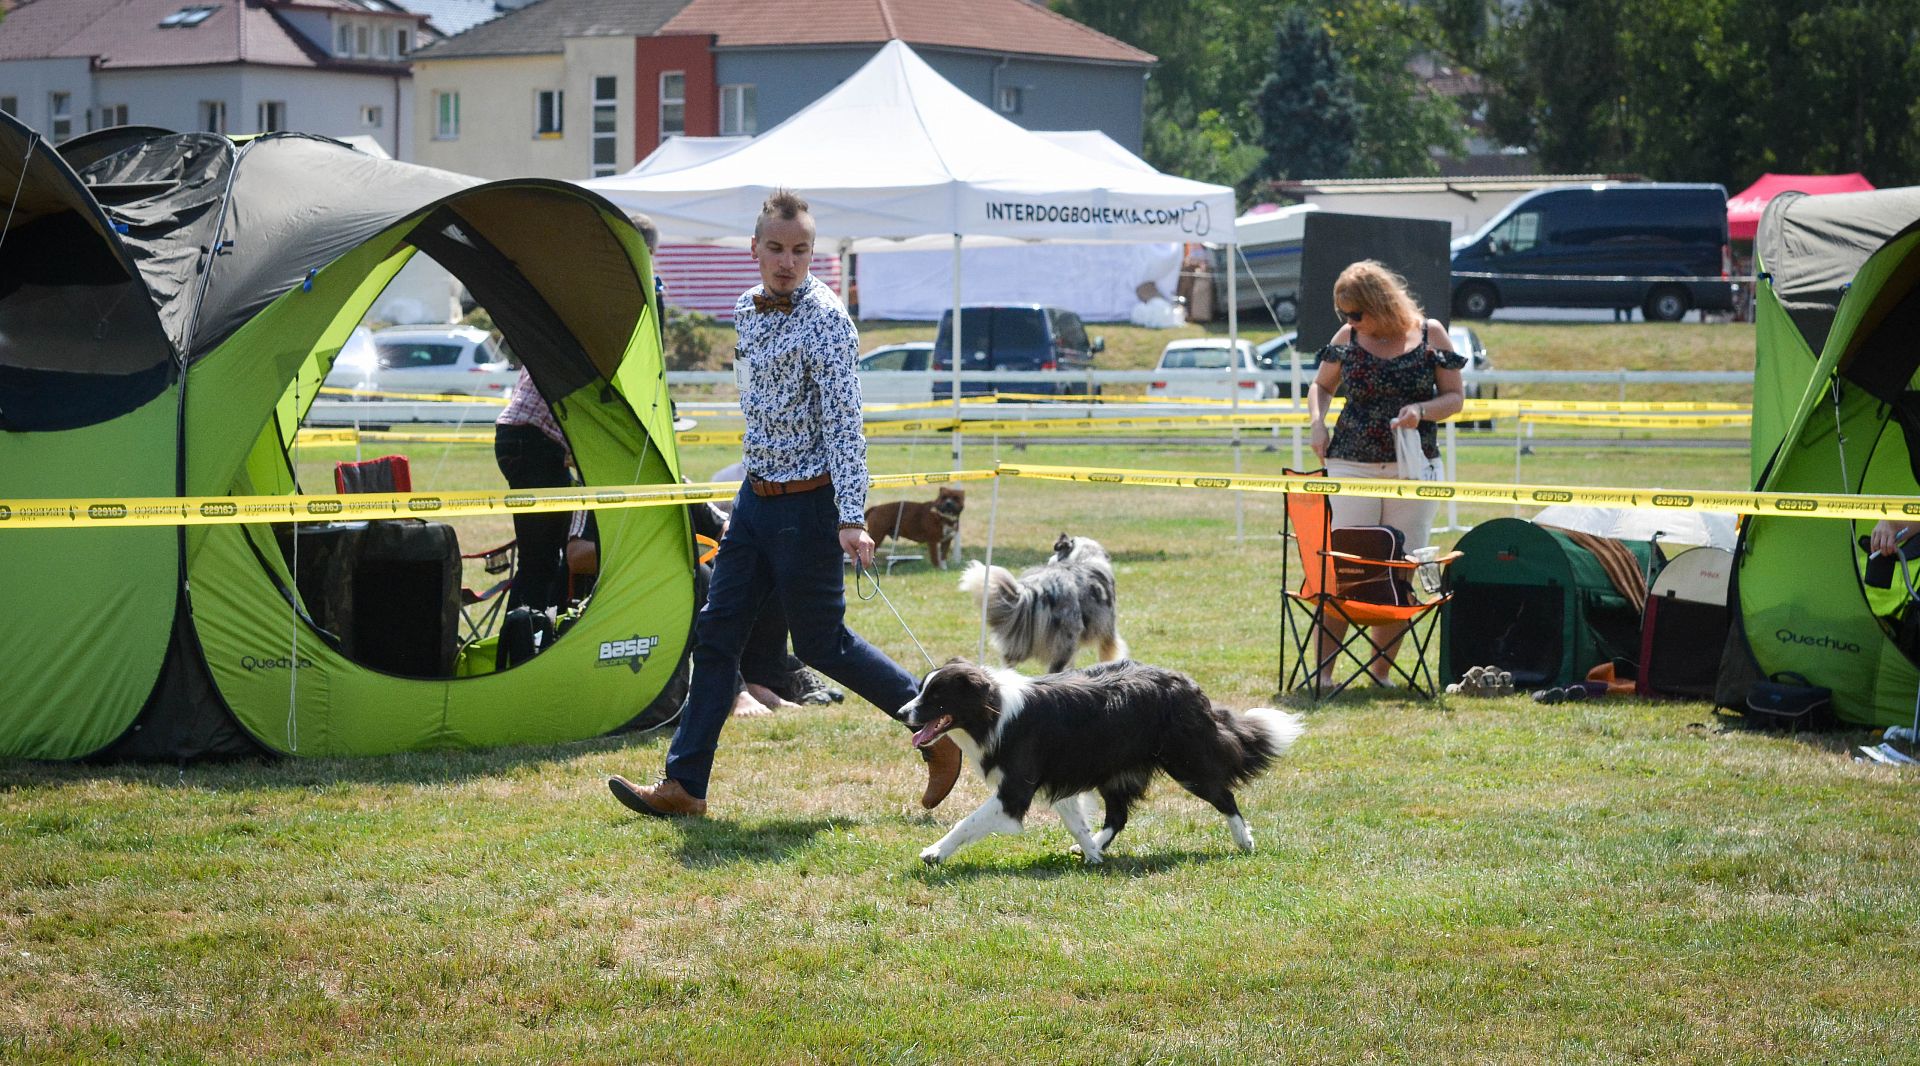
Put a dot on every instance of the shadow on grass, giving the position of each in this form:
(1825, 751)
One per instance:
(1065, 864)
(294, 772)
(1020, 559)
(706, 843)
(1842, 739)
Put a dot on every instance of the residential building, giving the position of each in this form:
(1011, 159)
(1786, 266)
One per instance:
(578, 88)
(332, 67)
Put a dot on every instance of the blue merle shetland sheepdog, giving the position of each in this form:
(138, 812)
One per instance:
(1105, 730)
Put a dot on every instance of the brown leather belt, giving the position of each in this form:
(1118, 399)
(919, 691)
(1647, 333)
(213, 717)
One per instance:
(762, 487)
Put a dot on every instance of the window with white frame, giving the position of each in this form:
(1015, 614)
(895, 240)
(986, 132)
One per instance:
(738, 110)
(188, 17)
(113, 115)
(402, 42)
(362, 40)
(673, 104)
(546, 113)
(272, 115)
(343, 45)
(60, 115)
(1009, 100)
(371, 116)
(606, 124)
(213, 116)
(446, 116)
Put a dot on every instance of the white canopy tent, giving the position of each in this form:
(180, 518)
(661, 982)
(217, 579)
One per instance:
(897, 152)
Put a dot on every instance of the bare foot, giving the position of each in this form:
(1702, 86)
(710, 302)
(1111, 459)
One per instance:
(745, 706)
(769, 698)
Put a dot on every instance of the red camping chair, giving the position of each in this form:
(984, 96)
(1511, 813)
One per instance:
(389, 473)
(1320, 597)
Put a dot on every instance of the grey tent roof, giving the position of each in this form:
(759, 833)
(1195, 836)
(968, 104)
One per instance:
(1814, 245)
(176, 194)
(159, 247)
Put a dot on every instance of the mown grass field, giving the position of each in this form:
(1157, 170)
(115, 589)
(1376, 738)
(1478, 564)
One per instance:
(1471, 881)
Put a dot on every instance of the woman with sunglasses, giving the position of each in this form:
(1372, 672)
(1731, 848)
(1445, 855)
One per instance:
(1400, 371)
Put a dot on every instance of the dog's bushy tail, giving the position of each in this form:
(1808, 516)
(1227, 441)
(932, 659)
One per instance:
(1264, 735)
(1013, 611)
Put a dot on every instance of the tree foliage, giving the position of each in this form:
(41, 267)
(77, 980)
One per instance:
(1682, 90)
(1306, 107)
(1712, 90)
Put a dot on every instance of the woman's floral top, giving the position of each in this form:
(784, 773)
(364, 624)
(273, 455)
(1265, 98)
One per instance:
(1376, 389)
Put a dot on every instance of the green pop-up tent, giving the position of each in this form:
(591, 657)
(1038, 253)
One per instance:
(1836, 408)
(169, 304)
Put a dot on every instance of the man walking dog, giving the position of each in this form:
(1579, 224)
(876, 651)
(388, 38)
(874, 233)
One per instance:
(801, 506)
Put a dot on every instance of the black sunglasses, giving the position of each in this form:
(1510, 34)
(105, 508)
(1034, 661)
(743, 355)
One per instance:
(1353, 316)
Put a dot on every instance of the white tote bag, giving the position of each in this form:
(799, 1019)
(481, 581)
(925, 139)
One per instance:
(1414, 464)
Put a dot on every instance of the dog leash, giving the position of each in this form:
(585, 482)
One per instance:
(882, 593)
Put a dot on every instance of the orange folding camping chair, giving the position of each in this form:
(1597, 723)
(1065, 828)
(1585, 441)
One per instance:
(1320, 598)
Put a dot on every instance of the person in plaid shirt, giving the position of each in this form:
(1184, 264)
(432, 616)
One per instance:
(532, 453)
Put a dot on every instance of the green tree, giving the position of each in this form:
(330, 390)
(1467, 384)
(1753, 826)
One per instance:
(1401, 121)
(1305, 104)
(1206, 147)
(1712, 90)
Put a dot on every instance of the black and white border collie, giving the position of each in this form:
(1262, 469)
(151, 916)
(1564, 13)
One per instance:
(1064, 737)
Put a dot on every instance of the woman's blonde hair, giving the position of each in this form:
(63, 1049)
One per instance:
(1369, 287)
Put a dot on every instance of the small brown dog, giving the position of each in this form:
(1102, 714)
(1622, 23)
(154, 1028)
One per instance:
(932, 524)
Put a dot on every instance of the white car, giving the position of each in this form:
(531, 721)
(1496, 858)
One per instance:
(442, 360)
(879, 386)
(1209, 353)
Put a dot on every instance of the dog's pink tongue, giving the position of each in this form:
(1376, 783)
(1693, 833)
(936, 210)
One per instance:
(931, 732)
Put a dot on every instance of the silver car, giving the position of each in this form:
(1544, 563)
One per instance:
(441, 360)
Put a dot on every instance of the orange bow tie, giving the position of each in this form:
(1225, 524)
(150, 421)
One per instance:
(782, 304)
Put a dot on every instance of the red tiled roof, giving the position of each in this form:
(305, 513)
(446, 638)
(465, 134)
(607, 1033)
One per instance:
(1020, 26)
(127, 33)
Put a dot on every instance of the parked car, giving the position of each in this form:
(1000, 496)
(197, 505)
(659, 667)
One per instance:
(1608, 244)
(1209, 353)
(449, 360)
(1017, 337)
(1469, 344)
(879, 386)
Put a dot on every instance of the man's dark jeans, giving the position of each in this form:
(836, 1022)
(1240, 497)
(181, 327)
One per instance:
(787, 547)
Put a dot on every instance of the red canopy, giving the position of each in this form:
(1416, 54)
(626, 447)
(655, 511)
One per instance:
(1744, 209)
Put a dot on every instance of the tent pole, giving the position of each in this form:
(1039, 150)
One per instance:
(958, 359)
(1299, 392)
(846, 270)
(1233, 384)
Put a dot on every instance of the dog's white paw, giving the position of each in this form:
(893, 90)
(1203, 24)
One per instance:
(1093, 858)
(1242, 836)
(931, 855)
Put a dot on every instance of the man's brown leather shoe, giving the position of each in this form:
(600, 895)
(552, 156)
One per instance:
(943, 769)
(664, 800)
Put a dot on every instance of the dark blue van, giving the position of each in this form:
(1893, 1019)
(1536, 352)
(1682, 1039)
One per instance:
(1016, 337)
(1659, 247)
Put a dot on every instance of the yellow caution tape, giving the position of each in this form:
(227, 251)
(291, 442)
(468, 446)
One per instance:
(1246, 418)
(1796, 505)
(327, 436)
(421, 397)
(1639, 421)
(349, 507)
